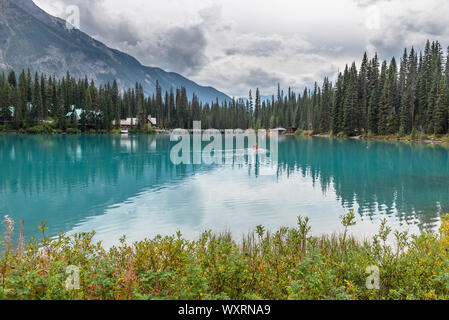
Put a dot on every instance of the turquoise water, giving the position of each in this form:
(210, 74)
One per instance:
(127, 185)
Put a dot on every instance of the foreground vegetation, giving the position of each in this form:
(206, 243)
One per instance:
(288, 264)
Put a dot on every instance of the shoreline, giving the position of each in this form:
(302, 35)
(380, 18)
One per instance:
(432, 141)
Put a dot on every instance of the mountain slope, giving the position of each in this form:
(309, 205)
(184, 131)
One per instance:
(31, 38)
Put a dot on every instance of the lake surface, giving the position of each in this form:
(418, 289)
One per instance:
(127, 185)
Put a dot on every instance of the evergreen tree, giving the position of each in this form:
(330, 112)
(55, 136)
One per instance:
(38, 108)
(389, 102)
(12, 80)
(446, 71)
(337, 106)
(442, 108)
(351, 102)
(374, 94)
(408, 100)
(116, 103)
(6, 102)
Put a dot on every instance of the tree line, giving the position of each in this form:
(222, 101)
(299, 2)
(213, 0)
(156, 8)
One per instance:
(29, 99)
(378, 98)
(386, 98)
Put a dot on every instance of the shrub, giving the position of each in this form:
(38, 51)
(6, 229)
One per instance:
(53, 124)
(422, 136)
(145, 130)
(73, 131)
(39, 129)
(307, 132)
(287, 264)
(151, 130)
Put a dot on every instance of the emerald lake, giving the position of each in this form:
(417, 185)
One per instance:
(127, 185)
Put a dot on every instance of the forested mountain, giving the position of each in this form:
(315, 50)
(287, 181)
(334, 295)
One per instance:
(30, 38)
(379, 98)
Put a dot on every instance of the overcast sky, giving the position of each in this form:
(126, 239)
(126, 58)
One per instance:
(236, 45)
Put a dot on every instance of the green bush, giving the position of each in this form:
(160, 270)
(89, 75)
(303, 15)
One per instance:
(422, 136)
(151, 130)
(287, 264)
(39, 129)
(73, 131)
(145, 130)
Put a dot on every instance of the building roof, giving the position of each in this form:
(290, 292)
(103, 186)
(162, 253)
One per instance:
(77, 112)
(11, 109)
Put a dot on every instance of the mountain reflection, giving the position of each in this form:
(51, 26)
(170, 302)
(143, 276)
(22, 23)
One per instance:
(407, 180)
(67, 179)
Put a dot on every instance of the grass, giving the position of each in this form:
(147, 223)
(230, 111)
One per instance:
(287, 264)
(414, 136)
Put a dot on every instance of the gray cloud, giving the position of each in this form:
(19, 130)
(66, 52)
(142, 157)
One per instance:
(260, 78)
(234, 45)
(183, 49)
(411, 26)
(94, 22)
(431, 27)
(367, 3)
(180, 49)
(257, 48)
